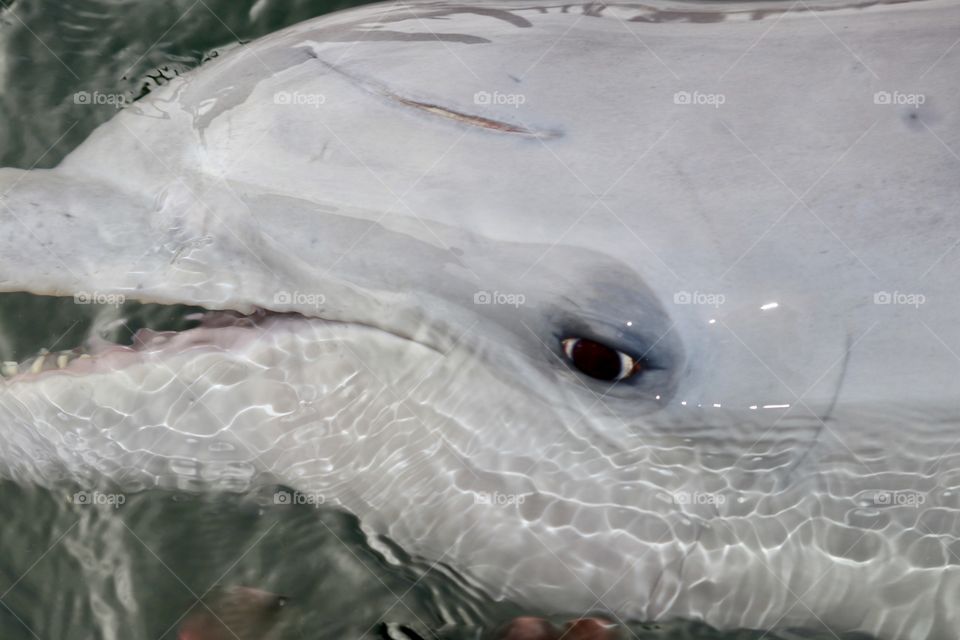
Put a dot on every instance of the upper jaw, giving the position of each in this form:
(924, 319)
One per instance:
(76, 236)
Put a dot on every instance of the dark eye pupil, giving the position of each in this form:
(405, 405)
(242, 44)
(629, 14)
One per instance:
(596, 360)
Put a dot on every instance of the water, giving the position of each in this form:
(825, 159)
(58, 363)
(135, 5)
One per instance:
(56, 48)
(82, 565)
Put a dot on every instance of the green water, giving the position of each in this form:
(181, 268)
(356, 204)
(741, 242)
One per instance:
(55, 48)
(74, 570)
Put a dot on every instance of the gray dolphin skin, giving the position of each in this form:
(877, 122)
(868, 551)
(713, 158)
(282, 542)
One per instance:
(648, 308)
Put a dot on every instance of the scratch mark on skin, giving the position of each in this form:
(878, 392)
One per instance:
(489, 124)
(476, 121)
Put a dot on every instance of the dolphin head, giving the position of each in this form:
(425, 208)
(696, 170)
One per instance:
(643, 308)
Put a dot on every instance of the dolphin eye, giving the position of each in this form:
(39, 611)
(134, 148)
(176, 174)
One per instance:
(600, 361)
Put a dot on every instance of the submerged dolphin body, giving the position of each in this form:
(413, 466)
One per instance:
(645, 307)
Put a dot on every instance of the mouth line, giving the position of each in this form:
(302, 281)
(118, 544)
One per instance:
(43, 334)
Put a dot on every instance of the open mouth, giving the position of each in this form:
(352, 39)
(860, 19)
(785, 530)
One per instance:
(41, 333)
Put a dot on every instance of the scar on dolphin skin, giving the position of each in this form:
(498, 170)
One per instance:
(489, 124)
(476, 121)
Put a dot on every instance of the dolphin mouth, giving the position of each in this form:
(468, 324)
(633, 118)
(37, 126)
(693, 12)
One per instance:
(107, 334)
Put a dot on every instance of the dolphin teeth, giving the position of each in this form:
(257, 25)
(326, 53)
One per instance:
(44, 361)
(37, 365)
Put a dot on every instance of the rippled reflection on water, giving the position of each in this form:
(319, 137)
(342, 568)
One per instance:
(70, 569)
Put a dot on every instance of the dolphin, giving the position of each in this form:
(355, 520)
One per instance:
(646, 308)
